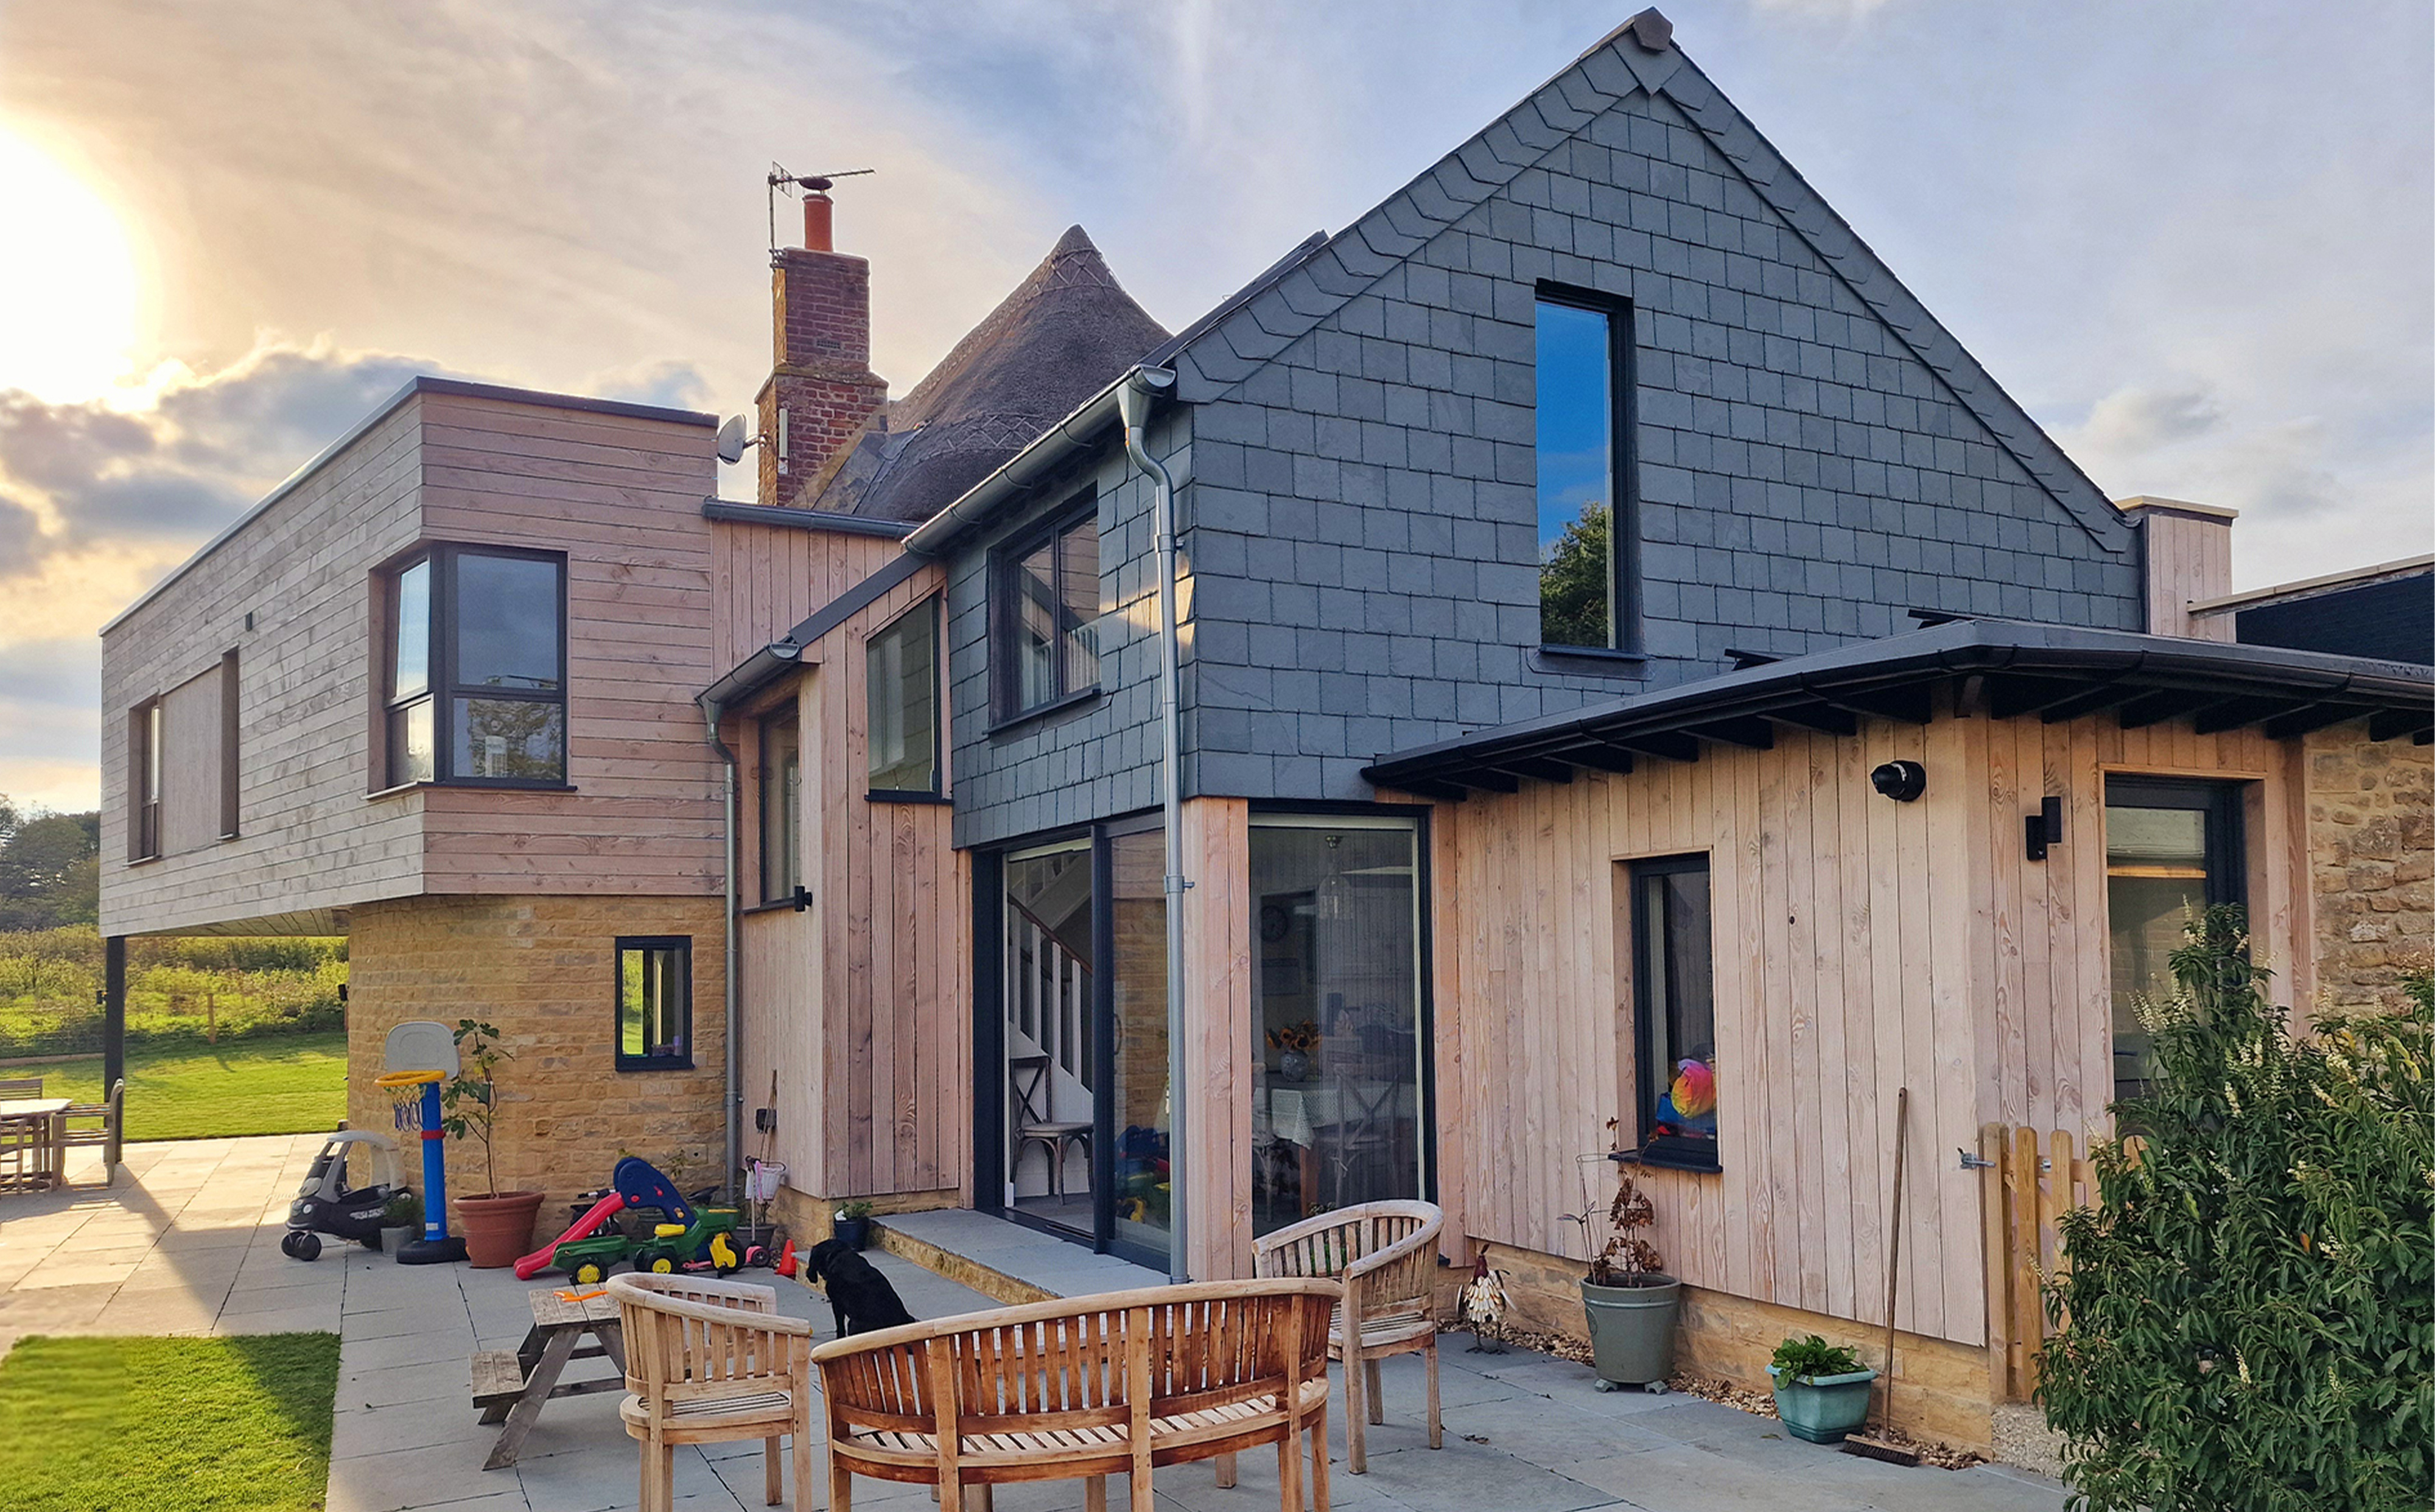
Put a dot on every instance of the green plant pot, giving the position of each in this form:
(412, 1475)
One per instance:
(1822, 1409)
(1631, 1329)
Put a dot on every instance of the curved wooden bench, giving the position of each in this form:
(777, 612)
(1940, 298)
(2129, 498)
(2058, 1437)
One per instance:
(1085, 1388)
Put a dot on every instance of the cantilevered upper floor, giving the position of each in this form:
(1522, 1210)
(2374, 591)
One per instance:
(455, 653)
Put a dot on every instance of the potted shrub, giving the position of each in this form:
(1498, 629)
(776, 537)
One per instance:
(401, 1220)
(851, 1227)
(498, 1223)
(1631, 1303)
(1822, 1389)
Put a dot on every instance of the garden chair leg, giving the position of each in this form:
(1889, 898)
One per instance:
(1289, 1473)
(1370, 1380)
(1319, 1460)
(1095, 1494)
(1437, 1427)
(803, 1447)
(1356, 1451)
(1225, 1472)
(773, 1474)
(840, 1486)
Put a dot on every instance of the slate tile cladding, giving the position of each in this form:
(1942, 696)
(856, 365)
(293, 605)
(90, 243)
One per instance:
(1359, 520)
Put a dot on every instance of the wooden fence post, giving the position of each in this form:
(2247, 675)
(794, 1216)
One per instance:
(1997, 1244)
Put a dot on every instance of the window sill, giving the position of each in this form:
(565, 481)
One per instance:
(625, 1065)
(467, 786)
(1594, 660)
(776, 905)
(1668, 1161)
(144, 861)
(1071, 700)
(899, 794)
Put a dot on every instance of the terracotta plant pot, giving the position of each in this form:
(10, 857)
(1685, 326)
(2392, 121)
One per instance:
(498, 1227)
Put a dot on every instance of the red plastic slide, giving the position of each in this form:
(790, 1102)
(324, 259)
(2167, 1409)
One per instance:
(583, 1228)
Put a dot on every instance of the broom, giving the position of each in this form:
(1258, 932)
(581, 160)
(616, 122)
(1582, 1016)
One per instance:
(1884, 1449)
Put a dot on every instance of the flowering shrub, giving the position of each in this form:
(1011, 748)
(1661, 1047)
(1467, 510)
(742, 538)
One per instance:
(2248, 1319)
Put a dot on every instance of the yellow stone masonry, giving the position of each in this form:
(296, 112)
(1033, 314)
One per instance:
(542, 969)
(2371, 853)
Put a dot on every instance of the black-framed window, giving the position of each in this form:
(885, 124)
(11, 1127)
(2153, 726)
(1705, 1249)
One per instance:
(144, 781)
(1046, 592)
(780, 804)
(902, 667)
(2171, 847)
(1589, 568)
(477, 676)
(655, 1002)
(1673, 976)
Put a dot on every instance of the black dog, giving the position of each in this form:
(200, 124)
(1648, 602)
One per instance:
(858, 1293)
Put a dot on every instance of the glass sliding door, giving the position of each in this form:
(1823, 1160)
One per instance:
(1047, 995)
(1338, 1037)
(1138, 1112)
(2171, 848)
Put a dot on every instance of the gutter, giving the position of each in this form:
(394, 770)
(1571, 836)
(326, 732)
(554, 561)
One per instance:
(1047, 452)
(1132, 399)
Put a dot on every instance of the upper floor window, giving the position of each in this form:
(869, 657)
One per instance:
(1047, 605)
(477, 676)
(904, 676)
(181, 765)
(780, 803)
(1588, 539)
(1674, 980)
(144, 781)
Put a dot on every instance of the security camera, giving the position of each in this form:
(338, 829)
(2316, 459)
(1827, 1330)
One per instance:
(1900, 780)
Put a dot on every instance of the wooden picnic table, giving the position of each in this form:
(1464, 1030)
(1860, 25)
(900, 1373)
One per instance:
(513, 1385)
(30, 1143)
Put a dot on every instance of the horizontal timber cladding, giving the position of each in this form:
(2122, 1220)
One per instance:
(767, 580)
(861, 1002)
(1861, 945)
(543, 970)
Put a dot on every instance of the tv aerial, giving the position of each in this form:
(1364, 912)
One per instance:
(782, 181)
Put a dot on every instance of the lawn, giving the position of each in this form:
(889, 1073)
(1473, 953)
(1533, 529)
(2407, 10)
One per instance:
(178, 1425)
(296, 1084)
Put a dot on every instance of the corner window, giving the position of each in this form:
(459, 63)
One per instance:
(780, 804)
(2172, 848)
(1588, 538)
(144, 781)
(476, 679)
(655, 1002)
(1674, 1001)
(903, 669)
(1048, 597)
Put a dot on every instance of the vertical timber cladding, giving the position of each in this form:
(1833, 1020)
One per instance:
(543, 970)
(1862, 945)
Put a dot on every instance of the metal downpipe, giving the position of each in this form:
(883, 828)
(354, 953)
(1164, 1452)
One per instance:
(731, 1103)
(1132, 405)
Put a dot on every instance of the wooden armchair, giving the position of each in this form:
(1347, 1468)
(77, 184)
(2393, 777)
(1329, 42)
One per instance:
(103, 1123)
(1385, 1253)
(713, 1362)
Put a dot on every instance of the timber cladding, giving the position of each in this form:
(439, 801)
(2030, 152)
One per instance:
(1861, 945)
(543, 970)
(291, 591)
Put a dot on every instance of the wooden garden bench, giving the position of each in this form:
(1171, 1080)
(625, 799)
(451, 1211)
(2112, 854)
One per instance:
(1084, 1389)
(1385, 1255)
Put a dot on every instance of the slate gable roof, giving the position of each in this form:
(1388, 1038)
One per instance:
(1065, 332)
(1256, 325)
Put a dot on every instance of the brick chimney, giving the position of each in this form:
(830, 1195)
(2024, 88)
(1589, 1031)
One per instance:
(820, 389)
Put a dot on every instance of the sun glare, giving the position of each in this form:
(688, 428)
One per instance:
(67, 317)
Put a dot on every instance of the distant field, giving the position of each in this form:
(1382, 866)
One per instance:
(296, 1084)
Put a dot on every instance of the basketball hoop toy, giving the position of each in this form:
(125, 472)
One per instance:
(421, 1055)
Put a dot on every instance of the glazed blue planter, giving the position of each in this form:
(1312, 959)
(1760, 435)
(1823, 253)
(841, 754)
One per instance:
(1822, 1409)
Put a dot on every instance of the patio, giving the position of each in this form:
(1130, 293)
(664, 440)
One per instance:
(187, 1243)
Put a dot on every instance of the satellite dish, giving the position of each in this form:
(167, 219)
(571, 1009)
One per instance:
(731, 440)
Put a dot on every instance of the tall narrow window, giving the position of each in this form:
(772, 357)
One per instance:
(1048, 617)
(655, 1002)
(1588, 596)
(144, 781)
(411, 754)
(230, 726)
(476, 679)
(781, 797)
(904, 677)
(1674, 997)
(2171, 848)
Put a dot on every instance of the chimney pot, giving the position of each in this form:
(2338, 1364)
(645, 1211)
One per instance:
(819, 236)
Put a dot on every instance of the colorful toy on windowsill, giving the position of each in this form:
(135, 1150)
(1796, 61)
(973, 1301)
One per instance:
(1689, 1107)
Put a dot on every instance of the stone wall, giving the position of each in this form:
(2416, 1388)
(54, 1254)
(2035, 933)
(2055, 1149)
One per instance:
(542, 971)
(2371, 854)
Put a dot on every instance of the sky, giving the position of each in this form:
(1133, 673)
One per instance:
(2196, 240)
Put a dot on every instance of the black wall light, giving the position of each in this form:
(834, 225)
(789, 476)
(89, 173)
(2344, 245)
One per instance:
(2044, 828)
(1900, 780)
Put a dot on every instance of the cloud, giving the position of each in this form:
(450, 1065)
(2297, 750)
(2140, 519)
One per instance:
(668, 384)
(2134, 419)
(23, 545)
